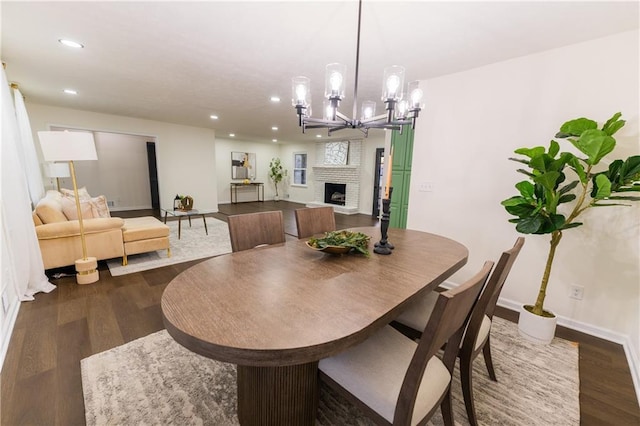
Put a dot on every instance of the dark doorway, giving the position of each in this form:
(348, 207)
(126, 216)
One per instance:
(377, 179)
(153, 175)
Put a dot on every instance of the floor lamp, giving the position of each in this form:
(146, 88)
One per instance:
(69, 147)
(57, 170)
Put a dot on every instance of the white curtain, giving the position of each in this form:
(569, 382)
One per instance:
(21, 259)
(27, 150)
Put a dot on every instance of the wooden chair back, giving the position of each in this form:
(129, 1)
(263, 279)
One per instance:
(446, 325)
(250, 230)
(314, 220)
(486, 304)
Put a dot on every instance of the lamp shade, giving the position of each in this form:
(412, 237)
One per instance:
(57, 170)
(67, 146)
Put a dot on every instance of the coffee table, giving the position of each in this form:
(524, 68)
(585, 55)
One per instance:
(187, 213)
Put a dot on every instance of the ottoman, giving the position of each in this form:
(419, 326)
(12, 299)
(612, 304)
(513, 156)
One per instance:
(144, 234)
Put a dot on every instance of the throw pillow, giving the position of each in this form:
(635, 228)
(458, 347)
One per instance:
(71, 211)
(52, 199)
(83, 194)
(100, 207)
(49, 214)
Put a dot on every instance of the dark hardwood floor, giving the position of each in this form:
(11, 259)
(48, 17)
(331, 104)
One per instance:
(41, 383)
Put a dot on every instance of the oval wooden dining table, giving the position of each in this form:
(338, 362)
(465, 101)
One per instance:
(275, 311)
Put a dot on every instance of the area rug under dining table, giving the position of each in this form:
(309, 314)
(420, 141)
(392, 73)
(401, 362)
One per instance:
(154, 380)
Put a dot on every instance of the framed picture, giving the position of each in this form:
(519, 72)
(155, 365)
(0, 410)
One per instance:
(336, 153)
(243, 165)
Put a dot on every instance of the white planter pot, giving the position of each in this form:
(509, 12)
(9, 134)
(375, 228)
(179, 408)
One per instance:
(536, 328)
(276, 198)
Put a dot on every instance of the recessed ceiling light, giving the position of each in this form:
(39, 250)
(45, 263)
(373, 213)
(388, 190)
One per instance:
(214, 117)
(70, 92)
(274, 140)
(71, 43)
(274, 128)
(275, 99)
(232, 135)
(318, 136)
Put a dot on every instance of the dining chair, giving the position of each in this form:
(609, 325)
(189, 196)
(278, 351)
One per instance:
(395, 380)
(250, 230)
(314, 220)
(478, 328)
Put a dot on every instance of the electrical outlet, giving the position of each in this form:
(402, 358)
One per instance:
(577, 292)
(426, 187)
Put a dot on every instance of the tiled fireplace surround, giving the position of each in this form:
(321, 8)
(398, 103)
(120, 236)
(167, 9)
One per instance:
(348, 174)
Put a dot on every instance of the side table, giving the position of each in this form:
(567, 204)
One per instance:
(187, 213)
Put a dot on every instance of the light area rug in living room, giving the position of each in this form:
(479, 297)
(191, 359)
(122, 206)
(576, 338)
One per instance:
(194, 243)
(154, 380)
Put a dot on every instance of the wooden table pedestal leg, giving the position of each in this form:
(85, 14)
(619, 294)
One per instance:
(280, 396)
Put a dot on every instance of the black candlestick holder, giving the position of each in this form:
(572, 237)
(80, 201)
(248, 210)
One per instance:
(384, 246)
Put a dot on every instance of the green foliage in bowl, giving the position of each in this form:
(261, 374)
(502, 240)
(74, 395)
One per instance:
(355, 240)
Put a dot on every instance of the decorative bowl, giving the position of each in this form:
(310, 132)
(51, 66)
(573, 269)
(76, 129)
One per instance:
(330, 249)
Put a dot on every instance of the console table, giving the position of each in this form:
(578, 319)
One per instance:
(258, 186)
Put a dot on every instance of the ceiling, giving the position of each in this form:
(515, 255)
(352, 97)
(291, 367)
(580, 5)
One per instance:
(181, 62)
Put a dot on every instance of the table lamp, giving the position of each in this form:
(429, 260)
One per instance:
(65, 146)
(57, 170)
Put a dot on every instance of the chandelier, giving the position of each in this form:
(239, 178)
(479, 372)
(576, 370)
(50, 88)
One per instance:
(400, 110)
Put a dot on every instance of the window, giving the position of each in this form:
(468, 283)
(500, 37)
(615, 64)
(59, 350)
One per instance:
(300, 168)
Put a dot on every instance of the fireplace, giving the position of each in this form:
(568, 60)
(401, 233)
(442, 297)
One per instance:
(335, 193)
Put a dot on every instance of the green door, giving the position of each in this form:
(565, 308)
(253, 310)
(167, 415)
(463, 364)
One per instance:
(401, 176)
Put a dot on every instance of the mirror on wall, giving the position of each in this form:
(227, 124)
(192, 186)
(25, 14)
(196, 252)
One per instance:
(243, 165)
(336, 153)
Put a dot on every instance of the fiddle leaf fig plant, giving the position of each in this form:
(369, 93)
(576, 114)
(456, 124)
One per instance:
(560, 186)
(276, 172)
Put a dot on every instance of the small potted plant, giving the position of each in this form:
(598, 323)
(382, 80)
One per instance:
(276, 174)
(559, 187)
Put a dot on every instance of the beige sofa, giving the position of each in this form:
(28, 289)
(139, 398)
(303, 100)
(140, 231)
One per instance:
(58, 231)
(60, 242)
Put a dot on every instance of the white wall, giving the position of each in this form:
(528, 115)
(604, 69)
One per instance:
(186, 155)
(122, 179)
(472, 123)
(264, 153)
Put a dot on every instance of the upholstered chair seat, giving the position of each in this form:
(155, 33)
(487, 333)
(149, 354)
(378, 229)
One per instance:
(376, 376)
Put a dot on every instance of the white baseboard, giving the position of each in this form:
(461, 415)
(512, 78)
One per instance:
(631, 353)
(12, 315)
(634, 364)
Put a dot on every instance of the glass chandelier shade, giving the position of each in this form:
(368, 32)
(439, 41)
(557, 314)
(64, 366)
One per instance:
(415, 95)
(334, 81)
(392, 83)
(301, 92)
(368, 110)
